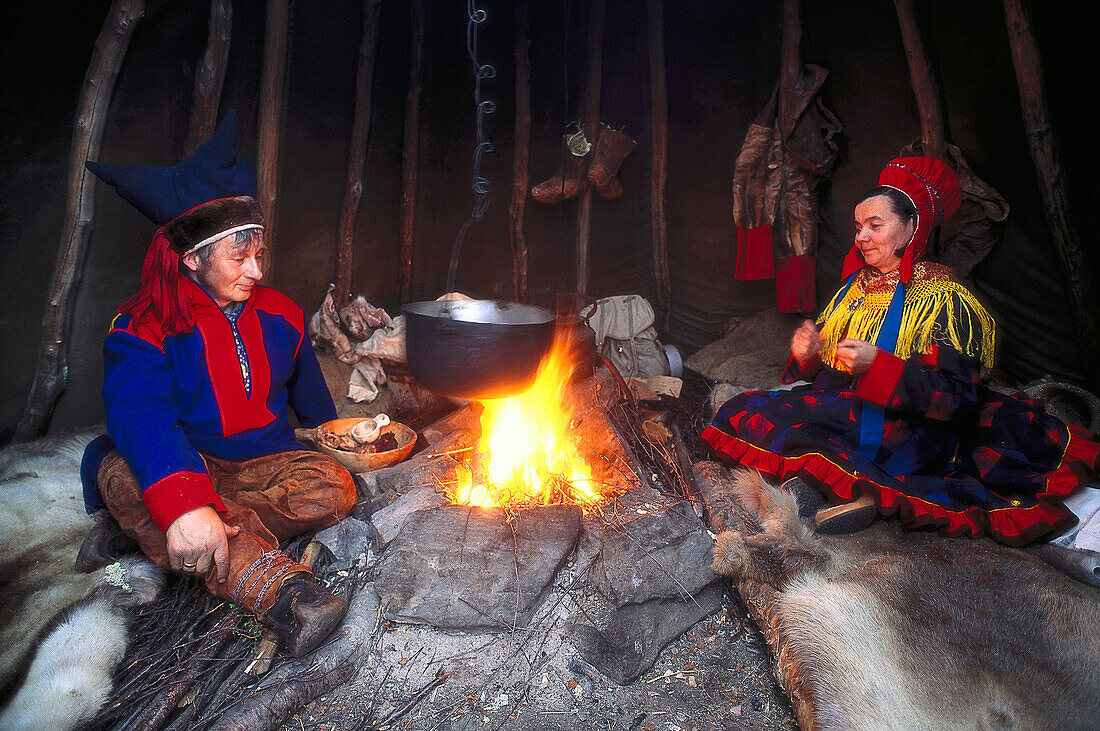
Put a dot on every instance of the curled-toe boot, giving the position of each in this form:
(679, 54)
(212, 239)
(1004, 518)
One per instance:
(304, 614)
(568, 182)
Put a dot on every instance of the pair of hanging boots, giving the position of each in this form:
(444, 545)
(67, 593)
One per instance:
(576, 173)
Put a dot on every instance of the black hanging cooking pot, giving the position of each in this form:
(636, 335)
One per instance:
(476, 348)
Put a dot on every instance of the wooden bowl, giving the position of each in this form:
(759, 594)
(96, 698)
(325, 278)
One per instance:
(367, 461)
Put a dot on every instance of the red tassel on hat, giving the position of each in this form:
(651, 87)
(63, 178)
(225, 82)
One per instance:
(159, 299)
(796, 284)
(754, 253)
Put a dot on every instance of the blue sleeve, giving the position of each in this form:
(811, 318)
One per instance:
(143, 422)
(307, 390)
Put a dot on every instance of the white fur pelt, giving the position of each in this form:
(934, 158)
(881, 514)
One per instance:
(42, 523)
(70, 678)
(910, 630)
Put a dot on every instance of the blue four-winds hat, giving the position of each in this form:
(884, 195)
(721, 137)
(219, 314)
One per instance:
(212, 171)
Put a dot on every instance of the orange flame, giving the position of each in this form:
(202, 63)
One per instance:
(526, 454)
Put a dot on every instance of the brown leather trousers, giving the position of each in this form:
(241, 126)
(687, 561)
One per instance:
(271, 498)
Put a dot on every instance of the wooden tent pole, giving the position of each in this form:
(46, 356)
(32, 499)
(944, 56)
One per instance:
(52, 369)
(357, 152)
(924, 86)
(593, 84)
(658, 111)
(210, 75)
(411, 154)
(1052, 184)
(276, 22)
(790, 65)
(522, 145)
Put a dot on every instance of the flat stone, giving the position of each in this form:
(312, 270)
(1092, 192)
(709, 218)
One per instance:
(462, 567)
(386, 523)
(347, 539)
(662, 551)
(628, 644)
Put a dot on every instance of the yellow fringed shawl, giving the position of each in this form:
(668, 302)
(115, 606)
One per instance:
(932, 291)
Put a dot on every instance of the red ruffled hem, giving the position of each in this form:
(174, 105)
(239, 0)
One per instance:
(1014, 526)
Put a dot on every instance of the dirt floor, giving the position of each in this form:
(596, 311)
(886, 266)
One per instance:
(715, 676)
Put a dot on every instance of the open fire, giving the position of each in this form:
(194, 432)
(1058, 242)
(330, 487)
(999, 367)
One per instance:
(527, 454)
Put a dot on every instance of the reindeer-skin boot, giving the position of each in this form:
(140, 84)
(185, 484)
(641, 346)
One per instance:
(568, 182)
(611, 148)
(304, 614)
(104, 544)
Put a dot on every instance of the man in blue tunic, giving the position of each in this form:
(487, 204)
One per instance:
(201, 368)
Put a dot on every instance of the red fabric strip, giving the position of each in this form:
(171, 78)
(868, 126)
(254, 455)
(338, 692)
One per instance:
(178, 493)
(881, 380)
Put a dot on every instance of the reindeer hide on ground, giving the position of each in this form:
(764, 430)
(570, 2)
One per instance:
(886, 629)
(42, 523)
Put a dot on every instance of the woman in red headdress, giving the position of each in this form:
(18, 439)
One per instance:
(895, 420)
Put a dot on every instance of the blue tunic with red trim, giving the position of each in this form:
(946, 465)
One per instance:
(168, 398)
(946, 452)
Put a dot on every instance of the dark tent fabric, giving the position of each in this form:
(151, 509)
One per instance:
(722, 65)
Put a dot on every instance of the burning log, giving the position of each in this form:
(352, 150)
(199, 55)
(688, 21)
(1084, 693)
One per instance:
(52, 369)
(276, 20)
(357, 152)
(210, 75)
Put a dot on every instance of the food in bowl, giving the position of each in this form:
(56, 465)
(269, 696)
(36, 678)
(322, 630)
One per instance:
(364, 437)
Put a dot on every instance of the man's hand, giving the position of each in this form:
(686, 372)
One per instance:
(855, 355)
(198, 541)
(805, 343)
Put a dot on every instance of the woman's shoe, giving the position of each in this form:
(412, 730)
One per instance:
(847, 517)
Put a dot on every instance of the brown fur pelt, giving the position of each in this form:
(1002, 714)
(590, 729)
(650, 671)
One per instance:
(886, 629)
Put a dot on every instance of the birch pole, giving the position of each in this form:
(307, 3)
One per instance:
(593, 84)
(357, 152)
(658, 111)
(52, 367)
(210, 75)
(411, 155)
(522, 146)
(276, 22)
(1052, 184)
(924, 85)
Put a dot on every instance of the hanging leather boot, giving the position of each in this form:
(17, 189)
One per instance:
(611, 148)
(569, 181)
(304, 614)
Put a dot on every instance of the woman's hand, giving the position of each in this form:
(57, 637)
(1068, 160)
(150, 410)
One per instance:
(855, 355)
(198, 541)
(805, 343)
